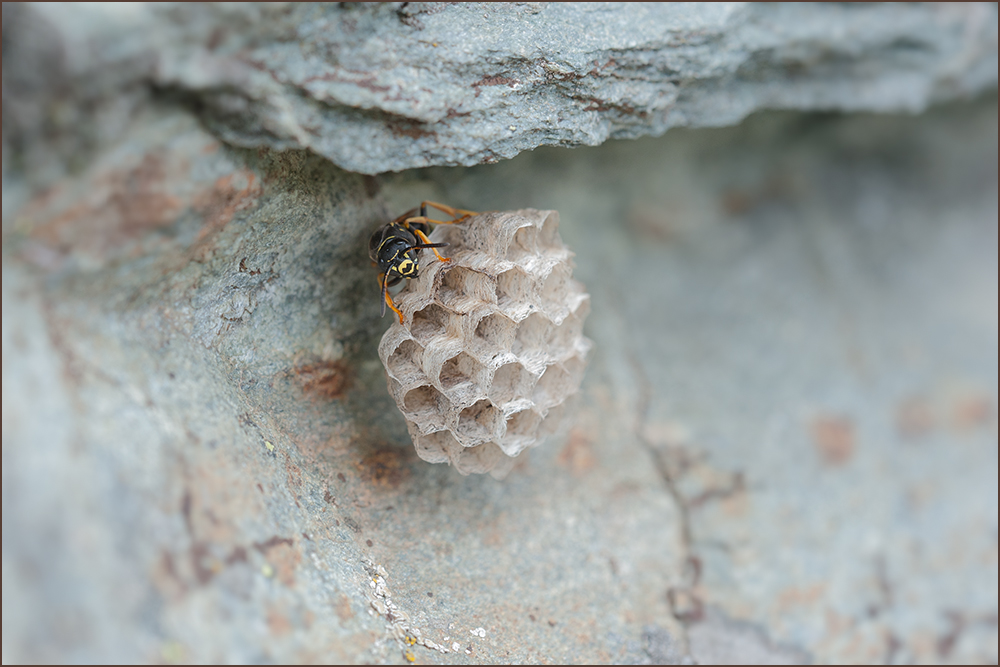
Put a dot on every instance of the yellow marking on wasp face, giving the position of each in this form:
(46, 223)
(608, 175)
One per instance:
(406, 267)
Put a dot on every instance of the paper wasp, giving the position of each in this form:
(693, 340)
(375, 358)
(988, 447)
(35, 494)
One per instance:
(393, 247)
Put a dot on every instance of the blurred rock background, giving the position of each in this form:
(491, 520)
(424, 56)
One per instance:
(786, 445)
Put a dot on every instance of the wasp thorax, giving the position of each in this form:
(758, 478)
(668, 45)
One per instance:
(491, 344)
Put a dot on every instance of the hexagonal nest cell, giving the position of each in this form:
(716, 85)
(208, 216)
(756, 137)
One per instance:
(491, 345)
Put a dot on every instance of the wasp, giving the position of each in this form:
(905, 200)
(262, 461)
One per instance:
(393, 247)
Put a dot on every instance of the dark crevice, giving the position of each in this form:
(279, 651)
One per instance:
(659, 462)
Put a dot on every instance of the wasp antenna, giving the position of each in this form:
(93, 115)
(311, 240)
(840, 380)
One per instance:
(428, 245)
(385, 279)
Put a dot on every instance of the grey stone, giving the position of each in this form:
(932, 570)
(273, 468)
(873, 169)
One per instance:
(801, 314)
(661, 648)
(785, 446)
(392, 86)
(202, 463)
(717, 640)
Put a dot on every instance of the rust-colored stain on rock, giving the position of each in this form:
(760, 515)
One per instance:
(327, 379)
(914, 418)
(834, 439)
(343, 608)
(119, 205)
(269, 544)
(278, 623)
(971, 412)
(283, 555)
(166, 578)
(805, 596)
(651, 224)
(385, 468)
(229, 194)
(737, 202)
(411, 129)
(294, 474)
(140, 200)
(577, 454)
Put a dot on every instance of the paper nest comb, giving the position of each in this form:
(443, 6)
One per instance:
(492, 343)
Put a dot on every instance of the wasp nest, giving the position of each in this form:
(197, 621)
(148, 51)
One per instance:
(492, 342)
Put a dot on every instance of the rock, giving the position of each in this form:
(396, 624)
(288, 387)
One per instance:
(201, 462)
(765, 296)
(392, 86)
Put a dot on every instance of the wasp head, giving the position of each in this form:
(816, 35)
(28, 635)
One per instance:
(397, 258)
(405, 264)
(393, 248)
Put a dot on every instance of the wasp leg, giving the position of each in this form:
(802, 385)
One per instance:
(383, 282)
(406, 215)
(427, 244)
(423, 237)
(388, 300)
(459, 215)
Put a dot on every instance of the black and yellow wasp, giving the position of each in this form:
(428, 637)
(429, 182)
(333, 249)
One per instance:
(393, 247)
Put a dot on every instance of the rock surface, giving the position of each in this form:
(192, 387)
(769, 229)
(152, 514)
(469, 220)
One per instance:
(801, 313)
(201, 461)
(786, 448)
(392, 86)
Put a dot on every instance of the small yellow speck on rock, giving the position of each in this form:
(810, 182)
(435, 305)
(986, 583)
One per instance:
(269, 446)
(173, 653)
